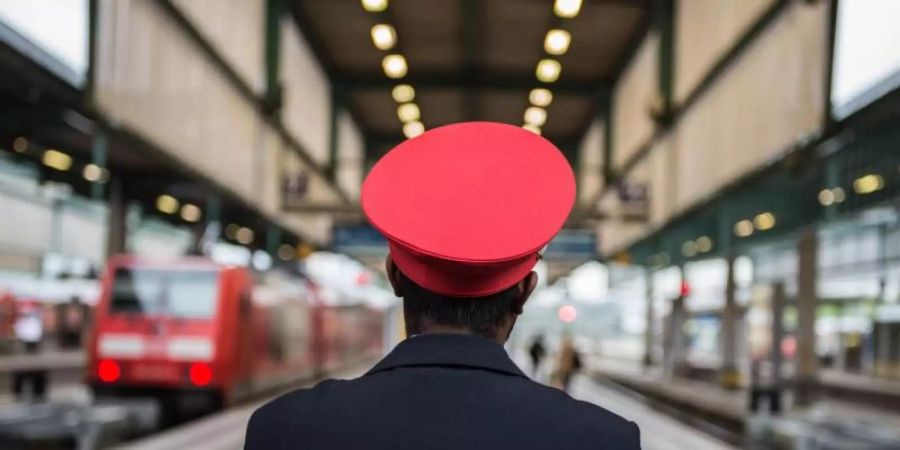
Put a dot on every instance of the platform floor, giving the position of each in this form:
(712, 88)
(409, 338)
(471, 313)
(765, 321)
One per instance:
(658, 431)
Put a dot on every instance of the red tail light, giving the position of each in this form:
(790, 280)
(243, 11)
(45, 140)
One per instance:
(200, 374)
(108, 371)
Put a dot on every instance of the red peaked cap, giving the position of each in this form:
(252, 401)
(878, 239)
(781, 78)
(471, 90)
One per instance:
(466, 208)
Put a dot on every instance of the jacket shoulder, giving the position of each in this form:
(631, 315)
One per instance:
(268, 423)
(593, 420)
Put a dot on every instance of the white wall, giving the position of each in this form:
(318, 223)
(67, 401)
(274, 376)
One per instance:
(60, 27)
(867, 51)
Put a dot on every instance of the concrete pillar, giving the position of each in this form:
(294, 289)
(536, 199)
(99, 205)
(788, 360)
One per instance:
(676, 351)
(674, 354)
(806, 363)
(116, 221)
(882, 362)
(777, 306)
(729, 376)
(650, 331)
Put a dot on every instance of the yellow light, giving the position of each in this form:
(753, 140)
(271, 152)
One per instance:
(95, 173)
(540, 97)
(839, 195)
(408, 112)
(394, 66)
(868, 184)
(536, 116)
(567, 9)
(703, 244)
(231, 231)
(375, 5)
(743, 228)
(413, 129)
(384, 36)
(548, 70)
(20, 145)
(557, 41)
(689, 249)
(403, 93)
(764, 221)
(826, 197)
(304, 249)
(286, 252)
(167, 204)
(58, 160)
(190, 212)
(245, 235)
(532, 128)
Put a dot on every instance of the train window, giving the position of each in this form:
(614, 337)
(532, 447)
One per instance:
(189, 294)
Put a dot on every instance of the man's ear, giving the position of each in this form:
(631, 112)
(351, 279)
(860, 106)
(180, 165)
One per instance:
(526, 287)
(393, 275)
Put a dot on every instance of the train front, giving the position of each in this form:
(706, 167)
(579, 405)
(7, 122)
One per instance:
(159, 333)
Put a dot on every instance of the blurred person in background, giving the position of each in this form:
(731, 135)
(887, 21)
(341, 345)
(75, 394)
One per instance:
(466, 209)
(568, 363)
(536, 351)
(29, 329)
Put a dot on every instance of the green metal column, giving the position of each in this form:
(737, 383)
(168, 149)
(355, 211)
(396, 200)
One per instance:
(274, 11)
(99, 151)
(116, 234)
(664, 22)
(273, 239)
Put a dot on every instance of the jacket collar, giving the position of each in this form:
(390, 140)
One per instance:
(459, 350)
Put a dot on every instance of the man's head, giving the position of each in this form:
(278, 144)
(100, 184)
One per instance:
(466, 210)
(492, 316)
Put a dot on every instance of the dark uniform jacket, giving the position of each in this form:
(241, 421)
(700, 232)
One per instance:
(437, 392)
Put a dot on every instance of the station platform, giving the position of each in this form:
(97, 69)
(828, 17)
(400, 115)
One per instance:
(49, 359)
(845, 417)
(65, 371)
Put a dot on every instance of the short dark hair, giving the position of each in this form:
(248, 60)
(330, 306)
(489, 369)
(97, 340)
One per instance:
(480, 315)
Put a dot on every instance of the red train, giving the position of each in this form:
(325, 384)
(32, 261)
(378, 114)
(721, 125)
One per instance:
(199, 336)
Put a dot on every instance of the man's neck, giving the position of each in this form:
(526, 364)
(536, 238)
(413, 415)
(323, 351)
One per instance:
(445, 329)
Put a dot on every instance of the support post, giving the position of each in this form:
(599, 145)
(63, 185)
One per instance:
(116, 220)
(99, 151)
(649, 332)
(729, 375)
(806, 364)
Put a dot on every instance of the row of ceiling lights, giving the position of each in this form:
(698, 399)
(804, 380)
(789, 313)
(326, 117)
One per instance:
(384, 37)
(864, 185)
(556, 43)
(63, 162)
(165, 203)
(189, 212)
